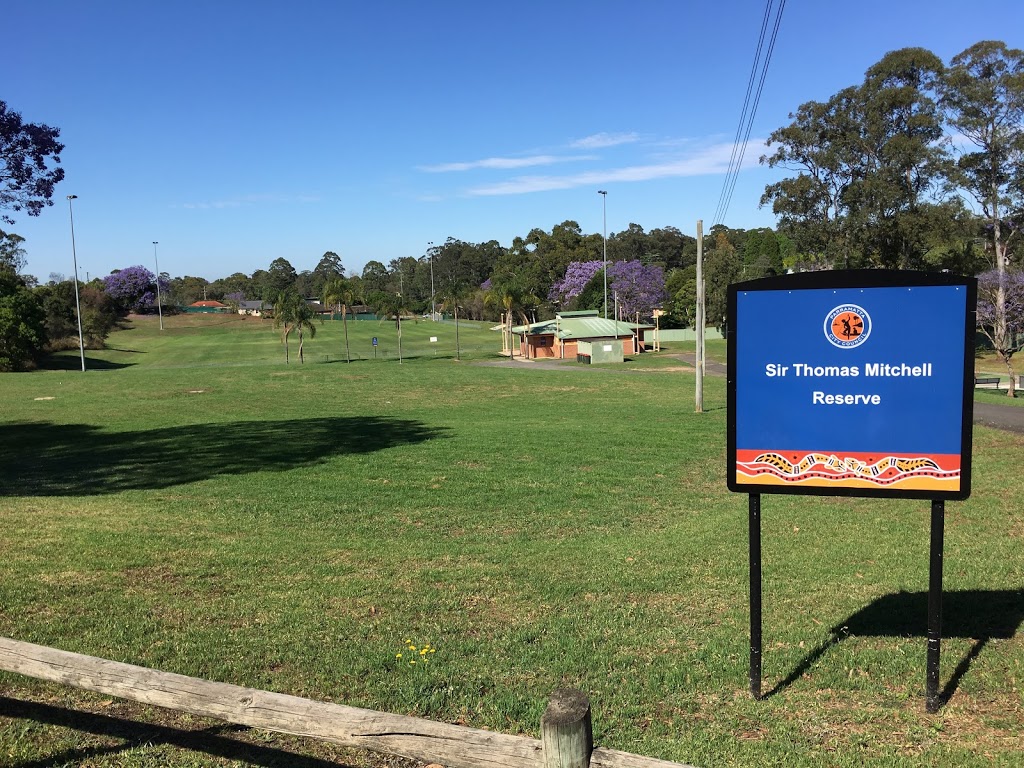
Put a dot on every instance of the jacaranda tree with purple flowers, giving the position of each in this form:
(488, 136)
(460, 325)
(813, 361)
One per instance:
(134, 288)
(577, 275)
(1004, 330)
(636, 287)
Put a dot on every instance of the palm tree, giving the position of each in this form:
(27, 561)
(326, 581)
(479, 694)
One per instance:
(510, 296)
(342, 293)
(452, 295)
(291, 312)
(388, 304)
(304, 315)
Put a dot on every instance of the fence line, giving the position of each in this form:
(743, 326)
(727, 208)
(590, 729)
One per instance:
(566, 733)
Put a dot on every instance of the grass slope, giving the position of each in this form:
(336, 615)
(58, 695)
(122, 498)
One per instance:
(199, 507)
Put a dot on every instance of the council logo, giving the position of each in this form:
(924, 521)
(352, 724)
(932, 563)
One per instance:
(847, 326)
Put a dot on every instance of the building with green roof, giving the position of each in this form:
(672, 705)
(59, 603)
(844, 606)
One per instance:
(561, 337)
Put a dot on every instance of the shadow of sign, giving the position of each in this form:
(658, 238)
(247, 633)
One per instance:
(979, 615)
(46, 459)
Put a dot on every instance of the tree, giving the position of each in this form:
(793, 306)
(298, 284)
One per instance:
(293, 313)
(26, 182)
(12, 255)
(452, 294)
(721, 267)
(871, 167)
(188, 290)
(134, 288)
(375, 277)
(99, 314)
(343, 293)
(1001, 314)
(280, 277)
(577, 275)
(328, 268)
(762, 254)
(983, 93)
(637, 288)
(681, 285)
(388, 304)
(509, 294)
(22, 323)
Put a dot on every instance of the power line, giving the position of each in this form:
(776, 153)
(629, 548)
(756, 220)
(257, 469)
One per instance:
(743, 111)
(740, 146)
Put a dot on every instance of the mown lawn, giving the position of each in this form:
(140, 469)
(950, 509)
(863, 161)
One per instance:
(194, 505)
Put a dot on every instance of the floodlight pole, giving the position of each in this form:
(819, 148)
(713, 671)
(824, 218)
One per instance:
(699, 320)
(604, 229)
(159, 308)
(78, 305)
(433, 316)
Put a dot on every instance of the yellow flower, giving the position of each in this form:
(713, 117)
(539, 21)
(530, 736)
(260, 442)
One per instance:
(398, 655)
(412, 662)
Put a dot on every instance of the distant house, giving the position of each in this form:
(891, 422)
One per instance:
(570, 332)
(207, 306)
(255, 308)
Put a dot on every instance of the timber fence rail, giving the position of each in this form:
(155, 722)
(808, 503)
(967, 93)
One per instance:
(566, 736)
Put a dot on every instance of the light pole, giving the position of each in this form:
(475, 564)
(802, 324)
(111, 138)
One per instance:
(159, 308)
(74, 260)
(604, 224)
(433, 316)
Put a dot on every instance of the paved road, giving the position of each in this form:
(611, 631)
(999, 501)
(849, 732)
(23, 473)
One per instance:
(1006, 417)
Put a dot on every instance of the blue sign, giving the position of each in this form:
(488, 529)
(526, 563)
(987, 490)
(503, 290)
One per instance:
(852, 383)
(375, 341)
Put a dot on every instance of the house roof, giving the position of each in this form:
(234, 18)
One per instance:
(589, 326)
(207, 303)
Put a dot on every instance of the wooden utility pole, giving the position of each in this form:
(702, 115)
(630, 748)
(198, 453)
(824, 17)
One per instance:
(700, 317)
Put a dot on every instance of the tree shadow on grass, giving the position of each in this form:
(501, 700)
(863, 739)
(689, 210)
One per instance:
(134, 734)
(45, 459)
(979, 615)
(74, 364)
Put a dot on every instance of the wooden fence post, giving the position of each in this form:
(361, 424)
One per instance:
(565, 730)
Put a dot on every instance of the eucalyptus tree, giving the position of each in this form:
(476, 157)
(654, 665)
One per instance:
(983, 93)
(871, 168)
(327, 269)
(281, 276)
(1001, 301)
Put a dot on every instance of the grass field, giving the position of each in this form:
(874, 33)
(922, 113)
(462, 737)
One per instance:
(194, 505)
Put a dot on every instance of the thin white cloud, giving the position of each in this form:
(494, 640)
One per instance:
(602, 140)
(711, 160)
(247, 200)
(499, 163)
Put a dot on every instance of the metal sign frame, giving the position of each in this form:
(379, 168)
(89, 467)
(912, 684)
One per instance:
(846, 325)
(882, 416)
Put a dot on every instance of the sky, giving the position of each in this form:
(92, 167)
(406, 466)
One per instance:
(234, 133)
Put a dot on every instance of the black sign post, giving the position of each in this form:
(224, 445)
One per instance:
(754, 525)
(931, 692)
(852, 383)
